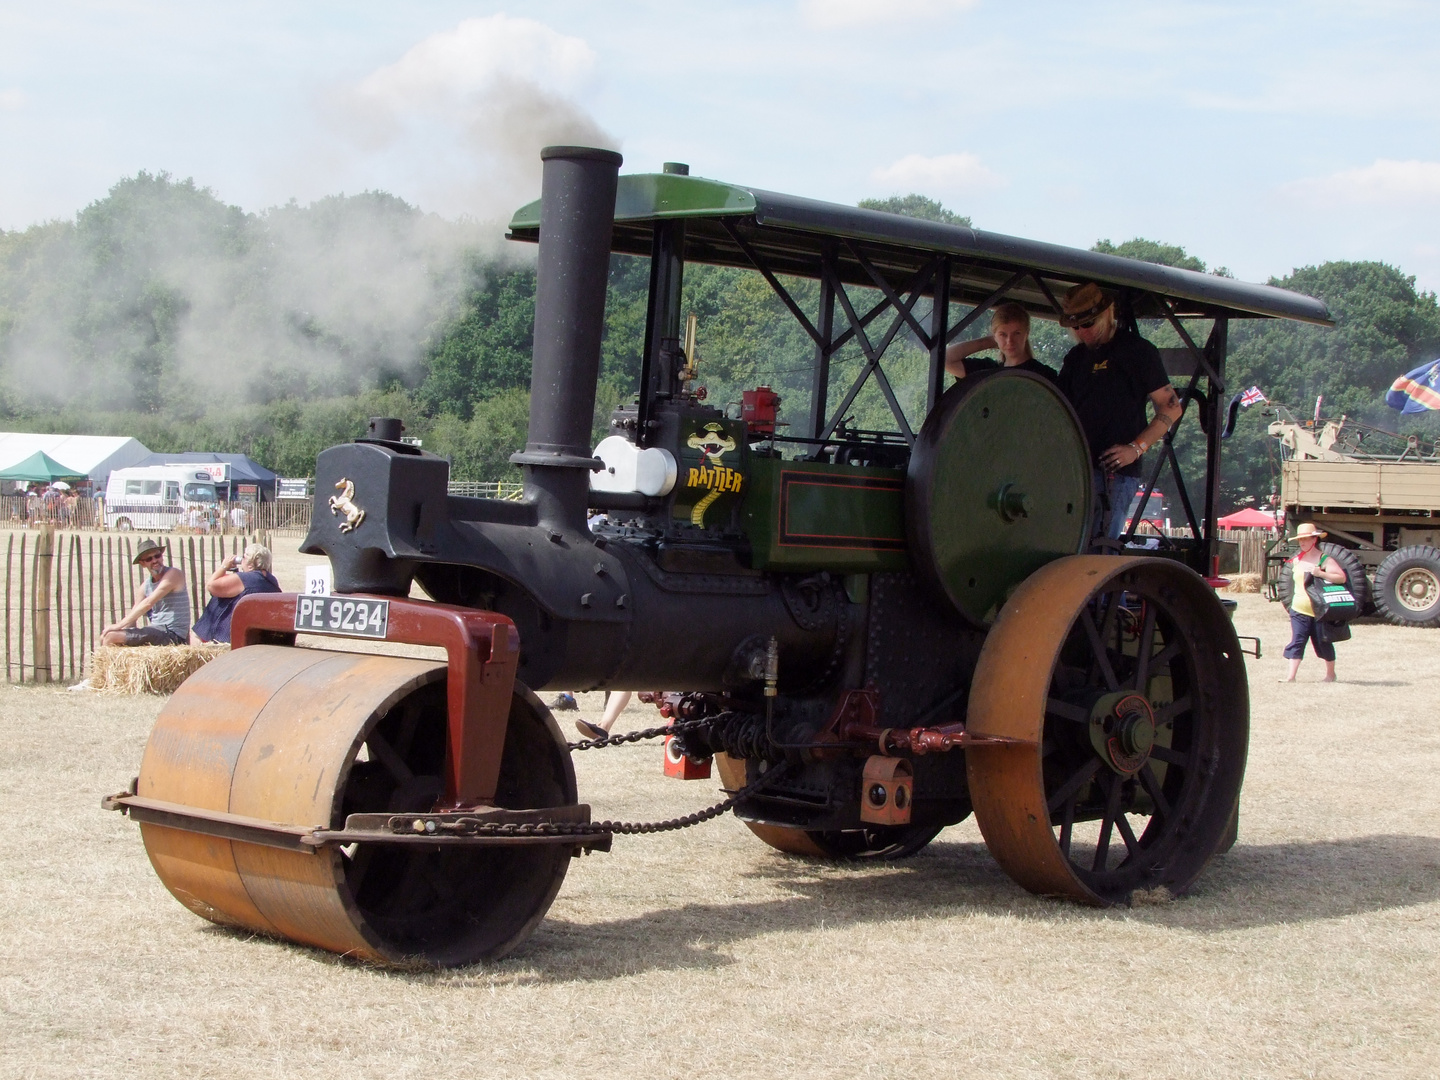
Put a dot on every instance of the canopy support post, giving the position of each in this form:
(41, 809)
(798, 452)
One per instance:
(939, 320)
(820, 384)
(1217, 347)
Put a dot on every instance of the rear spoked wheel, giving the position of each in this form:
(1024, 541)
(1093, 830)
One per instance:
(1123, 681)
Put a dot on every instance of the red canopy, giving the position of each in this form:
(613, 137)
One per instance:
(1248, 519)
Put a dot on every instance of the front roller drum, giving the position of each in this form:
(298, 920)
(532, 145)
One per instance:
(307, 737)
(1123, 684)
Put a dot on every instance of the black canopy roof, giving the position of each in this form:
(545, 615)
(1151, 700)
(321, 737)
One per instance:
(791, 234)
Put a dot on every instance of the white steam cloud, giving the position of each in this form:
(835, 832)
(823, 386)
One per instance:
(474, 105)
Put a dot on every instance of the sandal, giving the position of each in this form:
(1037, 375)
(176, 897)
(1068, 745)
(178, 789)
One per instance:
(591, 731)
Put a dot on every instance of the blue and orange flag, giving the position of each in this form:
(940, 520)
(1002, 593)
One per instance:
(1418, 391)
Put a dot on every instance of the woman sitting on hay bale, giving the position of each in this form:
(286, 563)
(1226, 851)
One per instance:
(235, 577)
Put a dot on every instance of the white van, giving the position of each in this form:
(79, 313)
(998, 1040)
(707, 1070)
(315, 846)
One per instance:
(156, 497)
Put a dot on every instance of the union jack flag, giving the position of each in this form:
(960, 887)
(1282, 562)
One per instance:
(1253, 396)
(1417, 391)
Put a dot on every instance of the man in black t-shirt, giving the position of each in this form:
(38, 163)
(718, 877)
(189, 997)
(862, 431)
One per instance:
(1108, 377)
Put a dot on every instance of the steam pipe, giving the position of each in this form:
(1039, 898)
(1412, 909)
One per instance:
(577, 216)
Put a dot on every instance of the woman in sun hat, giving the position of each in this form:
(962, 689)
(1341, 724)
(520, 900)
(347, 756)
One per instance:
(1311, 561)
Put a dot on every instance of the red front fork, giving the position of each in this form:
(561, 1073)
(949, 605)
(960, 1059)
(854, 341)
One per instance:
(482, 651)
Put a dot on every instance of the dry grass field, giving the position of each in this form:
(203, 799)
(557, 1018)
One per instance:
(1312, 950)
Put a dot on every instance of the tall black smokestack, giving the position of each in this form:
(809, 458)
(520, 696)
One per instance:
(577, 215)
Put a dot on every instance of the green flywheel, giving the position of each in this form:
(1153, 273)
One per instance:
(998, 486)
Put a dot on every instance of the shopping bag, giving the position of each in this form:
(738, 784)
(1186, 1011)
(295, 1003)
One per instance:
(1331, 601)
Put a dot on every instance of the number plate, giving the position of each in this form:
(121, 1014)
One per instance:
(342, 616)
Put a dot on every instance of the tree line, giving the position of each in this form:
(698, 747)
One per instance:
(164, 313)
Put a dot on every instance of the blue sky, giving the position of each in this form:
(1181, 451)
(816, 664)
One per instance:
(1259, 136)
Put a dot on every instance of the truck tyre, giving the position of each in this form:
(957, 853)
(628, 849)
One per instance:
(1407, 586)
(1354, 575)
(123, 524)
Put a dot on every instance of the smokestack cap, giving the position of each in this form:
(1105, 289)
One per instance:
(384, 428)
(585, 153)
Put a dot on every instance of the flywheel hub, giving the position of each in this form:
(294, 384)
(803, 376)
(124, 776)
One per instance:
(1122, 730)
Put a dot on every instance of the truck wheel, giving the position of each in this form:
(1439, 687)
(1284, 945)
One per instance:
(123, 524)
(1407, 586)
(1355, 576)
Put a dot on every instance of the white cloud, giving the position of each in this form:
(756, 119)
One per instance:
(946, 174)
(13, 100)
(1384, 183)
(839, 13)
(470, 59)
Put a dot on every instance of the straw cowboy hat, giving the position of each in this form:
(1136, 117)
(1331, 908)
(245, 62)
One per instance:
(1307, 528)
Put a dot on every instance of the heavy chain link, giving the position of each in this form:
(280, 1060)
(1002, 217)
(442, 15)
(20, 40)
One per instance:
(477, 827)
(678, 728)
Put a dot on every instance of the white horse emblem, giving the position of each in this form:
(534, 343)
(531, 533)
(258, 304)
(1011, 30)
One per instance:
(344, 504)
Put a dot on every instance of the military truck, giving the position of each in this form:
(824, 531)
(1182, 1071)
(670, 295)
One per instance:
(1377, 495)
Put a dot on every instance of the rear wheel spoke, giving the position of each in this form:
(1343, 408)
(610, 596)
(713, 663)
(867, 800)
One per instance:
(1097, 647)
(1167, 712)
(1067, 827)
(1144, 649)
(1107, 826)
(1132, 846)
(1072, 786)
(1170, 757)
(1070, 712)
(1152, 788)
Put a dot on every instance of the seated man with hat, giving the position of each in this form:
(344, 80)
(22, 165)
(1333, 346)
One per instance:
(1108, 377)
(165, 602)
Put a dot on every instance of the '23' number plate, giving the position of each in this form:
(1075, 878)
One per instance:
(342, 616)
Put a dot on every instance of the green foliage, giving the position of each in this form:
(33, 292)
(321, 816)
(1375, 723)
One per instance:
(487, 349)
(917, 206)
(1151, 251)
(164, 313)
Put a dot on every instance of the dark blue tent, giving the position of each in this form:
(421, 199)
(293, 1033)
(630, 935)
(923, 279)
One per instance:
(243, 470)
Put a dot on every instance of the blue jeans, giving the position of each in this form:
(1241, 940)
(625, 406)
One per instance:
(1112, 498)
(1302, 629)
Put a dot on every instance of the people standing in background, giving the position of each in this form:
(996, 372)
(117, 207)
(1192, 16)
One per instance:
(1010, 336)
(1309, 562)
(1109, 376)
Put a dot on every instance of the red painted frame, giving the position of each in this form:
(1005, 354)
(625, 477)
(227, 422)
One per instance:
(482, 651)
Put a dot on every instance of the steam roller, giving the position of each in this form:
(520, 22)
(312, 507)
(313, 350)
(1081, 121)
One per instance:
(869, 633)
(309, 737)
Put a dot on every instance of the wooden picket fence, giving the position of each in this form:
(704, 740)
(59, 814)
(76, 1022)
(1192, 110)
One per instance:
(288, 517)
(63, 588)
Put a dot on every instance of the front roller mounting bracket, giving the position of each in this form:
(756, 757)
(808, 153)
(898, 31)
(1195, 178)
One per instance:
(482, 649)
(443, 830)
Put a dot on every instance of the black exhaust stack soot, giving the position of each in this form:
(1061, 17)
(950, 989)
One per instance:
(577, 216)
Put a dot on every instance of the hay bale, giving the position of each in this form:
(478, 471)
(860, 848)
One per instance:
(1244, 583)
(148, 669)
